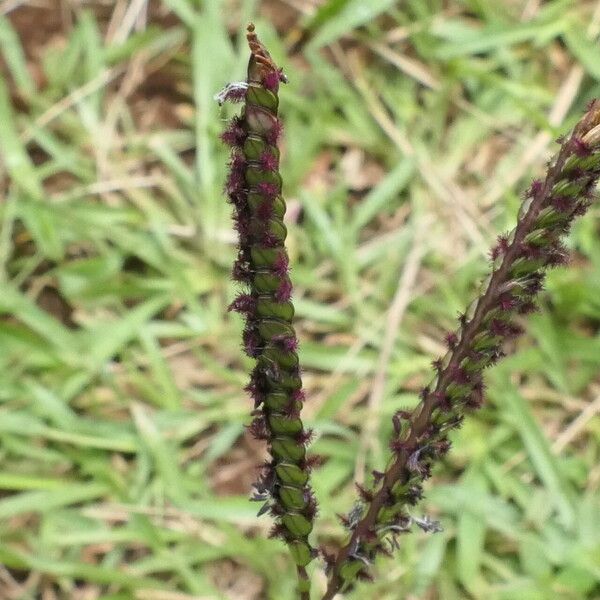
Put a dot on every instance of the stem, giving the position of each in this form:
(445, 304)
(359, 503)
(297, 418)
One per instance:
(303, 583)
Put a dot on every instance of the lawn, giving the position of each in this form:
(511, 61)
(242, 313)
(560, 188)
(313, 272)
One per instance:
(412, 130)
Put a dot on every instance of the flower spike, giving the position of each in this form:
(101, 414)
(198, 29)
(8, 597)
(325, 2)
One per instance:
(519, 263)
(254, 189)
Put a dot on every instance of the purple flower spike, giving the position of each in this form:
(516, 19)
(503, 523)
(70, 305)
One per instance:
(262, 265)
(520, 261)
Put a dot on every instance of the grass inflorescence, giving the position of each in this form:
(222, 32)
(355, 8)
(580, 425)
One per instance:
(519, 263)
(254, 189)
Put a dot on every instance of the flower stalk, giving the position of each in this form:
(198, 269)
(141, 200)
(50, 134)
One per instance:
(254, 189)
(519, 263)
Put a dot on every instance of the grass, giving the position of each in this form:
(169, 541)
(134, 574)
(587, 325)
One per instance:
(412, 130)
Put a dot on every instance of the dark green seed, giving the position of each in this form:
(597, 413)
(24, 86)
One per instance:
(567, 188)
(266, 283)
(291, 474)
(549, 217)
(255, 200)
(278, 230)
(290, 381)
(301, 553)
(279, 207)
(525, 266)
(456, 391)
(259, 96)
(292, 497)
(253, 147)
(350, 568)
(254, 175)
(281, 425)
(277, 401)
(283, 358)
(287, 449)
(264, 257)
(279, 310)
(269, 328)
(297, 525)
(386, 514)
(484, 341)
(536, 238)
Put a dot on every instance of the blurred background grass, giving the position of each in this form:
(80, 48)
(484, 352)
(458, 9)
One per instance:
(412, 130)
